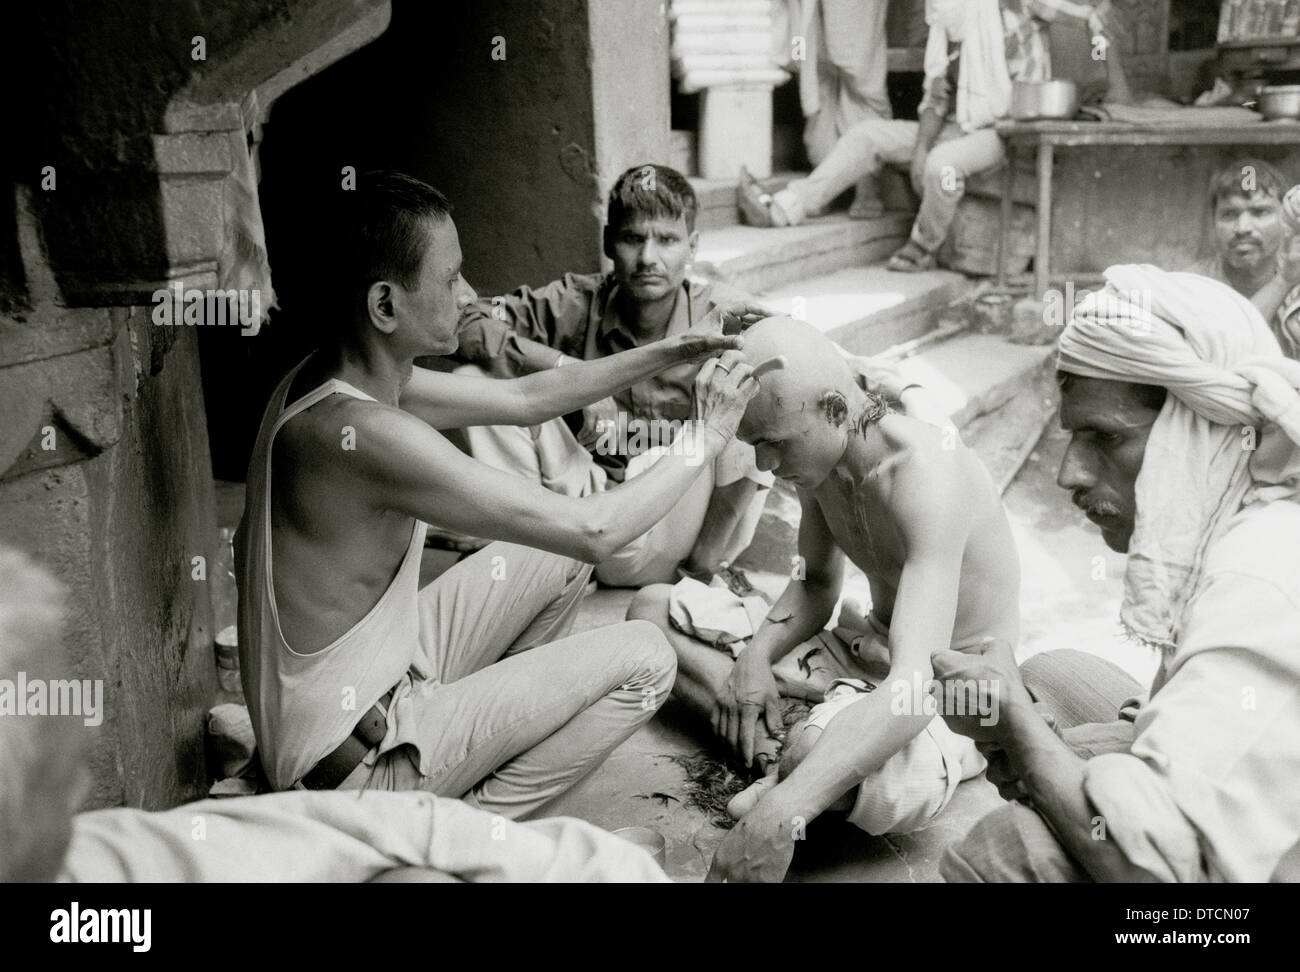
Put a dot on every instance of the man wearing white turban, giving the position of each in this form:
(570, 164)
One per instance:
(1202, 490)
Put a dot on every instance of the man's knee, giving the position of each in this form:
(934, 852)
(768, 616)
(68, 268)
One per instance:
(1010, 844)
(656, 662)
(865, 137)
(650, 604)
(943, 175)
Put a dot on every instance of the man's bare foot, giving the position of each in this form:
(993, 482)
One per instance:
(748, 798)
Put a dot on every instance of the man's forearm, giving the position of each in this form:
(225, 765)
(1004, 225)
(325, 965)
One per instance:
(927, 132)
(800, 612)
(1053, 777)
(558, 391)
(614, 518)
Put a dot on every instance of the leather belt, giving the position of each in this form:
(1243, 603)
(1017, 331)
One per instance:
(368, 733)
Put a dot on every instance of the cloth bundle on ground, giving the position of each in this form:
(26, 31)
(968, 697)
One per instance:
(914, 784)
(835, 669)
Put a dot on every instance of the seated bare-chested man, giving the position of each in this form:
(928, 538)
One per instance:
(356, 676)
(915, 509)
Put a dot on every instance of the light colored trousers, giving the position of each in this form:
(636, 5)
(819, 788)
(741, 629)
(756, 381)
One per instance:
(511, 710)
(1013, 843)
(867, 146)
(549, 454)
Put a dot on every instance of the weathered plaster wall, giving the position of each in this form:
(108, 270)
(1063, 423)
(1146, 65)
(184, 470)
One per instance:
(1141, 205)
(140, 137)
(631, 87)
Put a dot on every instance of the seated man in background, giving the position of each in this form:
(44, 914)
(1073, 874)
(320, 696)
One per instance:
(1255, 252)
(1185, 451)
(650, 236)
(918, 513)
(471, 686)
(328, 837)
(975, 51)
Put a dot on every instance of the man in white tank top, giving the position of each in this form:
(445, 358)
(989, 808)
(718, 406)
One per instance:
(470, 687)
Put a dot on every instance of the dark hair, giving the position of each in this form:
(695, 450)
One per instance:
(1228, 181)
(651, 190)
(385, 228)
(1148, 396)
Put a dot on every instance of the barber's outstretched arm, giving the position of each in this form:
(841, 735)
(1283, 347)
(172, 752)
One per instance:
(449, 401)
(415, 471)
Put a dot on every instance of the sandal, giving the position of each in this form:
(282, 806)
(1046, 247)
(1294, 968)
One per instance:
(755, 203)
(911, 258)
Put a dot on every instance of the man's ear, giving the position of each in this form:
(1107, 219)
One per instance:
(379, 306)
(694, 240)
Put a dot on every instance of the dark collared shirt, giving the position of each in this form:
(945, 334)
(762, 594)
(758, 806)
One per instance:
(578, 316)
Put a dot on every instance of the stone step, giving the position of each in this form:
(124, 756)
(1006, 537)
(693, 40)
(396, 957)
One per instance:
(999, 394)
(972, 374)
(868, 310)
(758, 259)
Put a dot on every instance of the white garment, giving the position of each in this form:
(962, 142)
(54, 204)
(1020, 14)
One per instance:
(984, 81)
(915, 783)
(341, 837)
(1209, 787)
(303, 705)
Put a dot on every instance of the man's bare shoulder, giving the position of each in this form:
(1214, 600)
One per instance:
(353, 434)
(935, 474)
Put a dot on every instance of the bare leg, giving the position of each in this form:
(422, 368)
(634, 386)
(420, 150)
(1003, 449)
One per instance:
(727, 509)
(701, 671)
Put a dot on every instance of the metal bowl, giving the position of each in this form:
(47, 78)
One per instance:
(1044, 99)
(1280, 101)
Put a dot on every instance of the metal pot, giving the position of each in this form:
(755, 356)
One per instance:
(1044, 99)
(1280, 101)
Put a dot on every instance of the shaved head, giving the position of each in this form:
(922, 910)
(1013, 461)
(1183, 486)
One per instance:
(800, 420)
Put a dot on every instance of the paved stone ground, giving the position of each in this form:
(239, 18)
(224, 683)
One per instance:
(1070, 595)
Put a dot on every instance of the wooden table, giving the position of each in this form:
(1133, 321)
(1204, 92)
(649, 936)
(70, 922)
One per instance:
(1047, 136)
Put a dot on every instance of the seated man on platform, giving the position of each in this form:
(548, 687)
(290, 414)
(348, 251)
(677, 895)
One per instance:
(917, 511)
(1254, 251)
(354, 674)
(277, 837)
(976, 50)
(651, 238)
(1185, 451)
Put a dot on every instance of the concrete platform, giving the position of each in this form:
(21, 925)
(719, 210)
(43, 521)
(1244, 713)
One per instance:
(868, 309)
(758, 259)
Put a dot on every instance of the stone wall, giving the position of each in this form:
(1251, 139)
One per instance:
(118, 187)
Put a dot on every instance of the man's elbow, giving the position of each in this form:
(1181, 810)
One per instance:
(596, 542)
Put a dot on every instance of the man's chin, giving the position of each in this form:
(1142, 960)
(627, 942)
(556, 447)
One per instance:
(1117, 538)
(649, 290)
